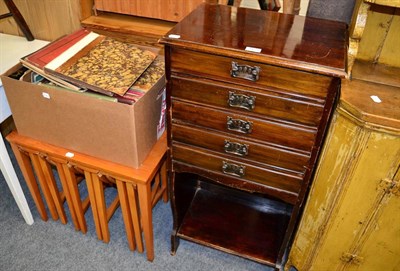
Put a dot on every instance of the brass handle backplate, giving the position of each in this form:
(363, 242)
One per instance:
(233, 169)
(245, 71)
(238, 125)
(236, 148)
(241, 101)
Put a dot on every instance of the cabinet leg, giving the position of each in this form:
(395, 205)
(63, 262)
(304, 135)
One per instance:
(174, 243)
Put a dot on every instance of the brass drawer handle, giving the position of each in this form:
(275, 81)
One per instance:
(233, 169)
(245, 71)
(236, 148)
(241, 101)
(238, 125)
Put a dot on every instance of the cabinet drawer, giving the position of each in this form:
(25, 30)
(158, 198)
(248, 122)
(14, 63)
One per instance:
(237, 147)
(248, 100)
(220, 68)
(233, 168)
(281, 134)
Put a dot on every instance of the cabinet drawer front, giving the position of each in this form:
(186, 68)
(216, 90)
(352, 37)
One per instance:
(248, 100)
(237, 147)
(233, 168)
(299, 138)
(220, 68)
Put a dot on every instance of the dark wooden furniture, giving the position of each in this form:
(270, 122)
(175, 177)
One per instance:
(19, 19)
(274, 5)
(245, 127)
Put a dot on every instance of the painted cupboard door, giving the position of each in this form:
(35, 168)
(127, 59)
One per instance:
(379, 246)
(347, 207)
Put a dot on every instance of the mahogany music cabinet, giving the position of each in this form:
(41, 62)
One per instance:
(249, 97)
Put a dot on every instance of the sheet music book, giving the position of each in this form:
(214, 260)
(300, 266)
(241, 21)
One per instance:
(146, 81)
(101, 64)
(150, 76)
(37, 60)
(46, 54)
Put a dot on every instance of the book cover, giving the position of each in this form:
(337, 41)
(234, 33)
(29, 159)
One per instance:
(150, 76)
(146, 81)
(43, 56)
(51, 78)
(40, 58)
(102, 64)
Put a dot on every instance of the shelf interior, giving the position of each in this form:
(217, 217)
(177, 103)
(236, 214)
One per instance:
(236, 222)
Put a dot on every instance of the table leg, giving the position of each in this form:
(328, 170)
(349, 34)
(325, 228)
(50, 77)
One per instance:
(76, 199)
(134, 208)
(13, 183)
(93, 204)
(126, 213)
(51, 182)
(67, 193)
(164, 180)
(147, 219)
(45, 187)
(26, 169)
(101, 207)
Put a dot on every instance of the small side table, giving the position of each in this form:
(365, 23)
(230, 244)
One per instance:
(12, 48)
(13, 183)
(146, 185)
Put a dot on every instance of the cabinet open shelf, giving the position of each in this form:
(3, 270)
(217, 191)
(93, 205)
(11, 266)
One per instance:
(236, 222)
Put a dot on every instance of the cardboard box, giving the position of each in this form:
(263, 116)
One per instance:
(113, 131)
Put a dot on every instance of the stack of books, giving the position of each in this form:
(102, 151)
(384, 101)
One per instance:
(96, 65)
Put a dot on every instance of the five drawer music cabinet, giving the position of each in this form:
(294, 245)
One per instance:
(249, 97)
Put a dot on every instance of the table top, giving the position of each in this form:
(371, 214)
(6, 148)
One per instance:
(376, 105)
(12, 48)
(143, 174)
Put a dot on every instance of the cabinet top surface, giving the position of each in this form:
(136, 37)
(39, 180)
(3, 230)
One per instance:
(372, 103)
(287, 40)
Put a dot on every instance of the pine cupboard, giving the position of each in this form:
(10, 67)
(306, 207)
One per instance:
(352, 217)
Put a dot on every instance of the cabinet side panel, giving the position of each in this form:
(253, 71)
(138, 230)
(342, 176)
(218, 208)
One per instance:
(335, 157)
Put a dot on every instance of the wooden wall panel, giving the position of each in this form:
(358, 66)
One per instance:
(170, 10)
(47, 19)
(86, 8)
